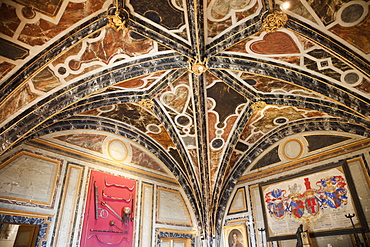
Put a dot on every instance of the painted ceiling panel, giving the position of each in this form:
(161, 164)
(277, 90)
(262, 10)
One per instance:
(9, 21)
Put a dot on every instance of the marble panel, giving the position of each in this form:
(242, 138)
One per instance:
(47, 55)
(172, 208)
(9, 20)
(17, 101)
(5, 68)
(50, 9)
(364, 86)
(325, 10)
(140, 158)
(29, 178)
(170, 16)
(224, 14)
(175, 234)
(330, 44)
(239, 202)
(12, 51)
(92, 142)
(45, 80)
(356, 35)
(146, 219)
(41, 32)
(274, 43)
(63, 235)
(298, 8)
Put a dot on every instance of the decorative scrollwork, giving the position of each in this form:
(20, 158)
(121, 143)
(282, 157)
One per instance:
(274, 21)
(118, 20)
(197, 67)
(146, 103)
(259, 105)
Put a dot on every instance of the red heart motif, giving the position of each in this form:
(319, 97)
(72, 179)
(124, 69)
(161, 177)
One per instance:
(275, 43)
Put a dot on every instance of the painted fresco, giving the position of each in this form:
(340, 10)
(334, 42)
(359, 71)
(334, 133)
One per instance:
(318, 201)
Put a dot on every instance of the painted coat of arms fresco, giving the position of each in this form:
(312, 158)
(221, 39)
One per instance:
(330, 193)
(318, 200)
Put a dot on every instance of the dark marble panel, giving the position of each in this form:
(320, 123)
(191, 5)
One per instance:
(160, 36)
(161, 12)
(316, 142)
(325, 9)
(233, 82)
(12, 51)
(200, 114)
(9, 20)
(271, 157)
(222, 93)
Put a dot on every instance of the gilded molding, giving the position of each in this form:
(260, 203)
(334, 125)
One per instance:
(118, 20)
(259, 105)
(274, 21)
(197, 67)
(146, 103)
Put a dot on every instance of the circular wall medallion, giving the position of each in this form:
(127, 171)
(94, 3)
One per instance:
(352, 13)
(293, 149)
(280, 120)
(183, 120)
(217, 143)
(351, 77)
(117, 150)
(107, 108)
(155, 129)
(251, 81)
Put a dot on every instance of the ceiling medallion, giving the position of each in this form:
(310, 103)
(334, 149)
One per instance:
(197, 67)
(117, 21)
(259, 105)
(146, 103)
(274, 21)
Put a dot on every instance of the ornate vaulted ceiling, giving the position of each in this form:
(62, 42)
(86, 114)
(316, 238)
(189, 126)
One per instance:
(206, 86)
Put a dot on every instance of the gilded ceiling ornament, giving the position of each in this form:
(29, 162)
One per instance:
(259, 105)
(197, 67)
(147, 103)
(274, 21)
(118, 21)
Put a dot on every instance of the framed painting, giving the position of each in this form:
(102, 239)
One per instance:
(235, 235)
(318, 199)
